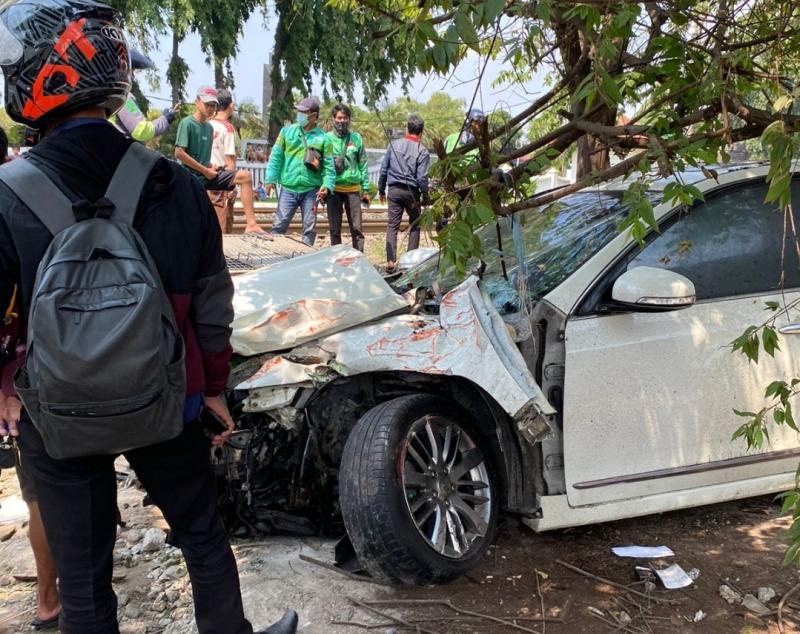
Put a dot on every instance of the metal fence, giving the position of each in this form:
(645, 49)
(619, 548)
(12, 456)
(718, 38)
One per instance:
(258, 171)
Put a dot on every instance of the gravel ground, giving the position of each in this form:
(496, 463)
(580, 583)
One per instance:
(741, 540)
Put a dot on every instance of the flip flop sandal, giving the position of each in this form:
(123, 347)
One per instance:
(49, 624)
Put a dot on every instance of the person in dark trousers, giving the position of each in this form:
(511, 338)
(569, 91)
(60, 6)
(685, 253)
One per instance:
(405, 171)
(352, 180)
(80, 151)
(47, 602)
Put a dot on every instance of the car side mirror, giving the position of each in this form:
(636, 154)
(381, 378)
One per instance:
(648, 288)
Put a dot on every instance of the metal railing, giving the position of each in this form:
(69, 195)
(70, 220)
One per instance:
(258, 171)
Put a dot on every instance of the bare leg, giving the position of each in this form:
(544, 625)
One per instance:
(47, 590)
(245, 182)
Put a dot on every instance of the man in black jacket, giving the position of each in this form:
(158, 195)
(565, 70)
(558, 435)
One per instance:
(405, 171)
(67, 69)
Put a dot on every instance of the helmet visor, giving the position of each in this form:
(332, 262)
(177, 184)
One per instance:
(11, 48)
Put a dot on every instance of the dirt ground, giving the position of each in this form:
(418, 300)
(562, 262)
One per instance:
(740, 541)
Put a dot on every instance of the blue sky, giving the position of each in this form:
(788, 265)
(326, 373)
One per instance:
(256, 46)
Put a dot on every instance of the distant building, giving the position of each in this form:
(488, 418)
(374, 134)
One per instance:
(266, 94)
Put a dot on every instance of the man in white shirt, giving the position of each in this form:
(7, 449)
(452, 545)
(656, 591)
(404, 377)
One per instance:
(223, 158)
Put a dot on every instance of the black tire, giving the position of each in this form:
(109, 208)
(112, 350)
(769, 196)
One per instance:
(378, 519)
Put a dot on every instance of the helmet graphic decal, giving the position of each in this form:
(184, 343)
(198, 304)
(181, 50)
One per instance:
(40, 104)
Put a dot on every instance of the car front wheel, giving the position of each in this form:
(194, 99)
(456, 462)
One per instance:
(417, 491)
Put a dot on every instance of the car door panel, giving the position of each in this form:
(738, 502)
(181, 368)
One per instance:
(663, 388)
(649, 396)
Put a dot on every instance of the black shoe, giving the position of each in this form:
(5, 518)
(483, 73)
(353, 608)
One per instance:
(287, 625)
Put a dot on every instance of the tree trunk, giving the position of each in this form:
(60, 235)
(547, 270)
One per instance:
(592, 155)
(220, 81)
(280, 86)
(174, 60)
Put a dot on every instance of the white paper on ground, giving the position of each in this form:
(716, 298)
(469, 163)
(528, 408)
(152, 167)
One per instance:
(674, 577)
(642, 552)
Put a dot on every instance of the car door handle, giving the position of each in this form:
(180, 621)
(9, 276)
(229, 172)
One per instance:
(791, 329)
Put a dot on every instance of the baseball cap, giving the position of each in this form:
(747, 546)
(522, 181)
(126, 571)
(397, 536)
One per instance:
(309, 104)
(208, 94)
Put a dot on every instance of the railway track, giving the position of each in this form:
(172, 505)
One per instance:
(374, 221)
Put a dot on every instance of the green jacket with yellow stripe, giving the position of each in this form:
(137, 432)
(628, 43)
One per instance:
(355, 176)
(287, 162)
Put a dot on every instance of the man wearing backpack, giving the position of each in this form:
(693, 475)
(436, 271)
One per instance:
(47, 602)
(302, 164)
(352, 182)
(134, 280)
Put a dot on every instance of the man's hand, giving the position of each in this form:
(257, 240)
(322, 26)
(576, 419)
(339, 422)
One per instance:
(218, 406)
(270, 190)
(382, 198)
(322, 194)
(10, 409)
(210, 173)
(365, 200)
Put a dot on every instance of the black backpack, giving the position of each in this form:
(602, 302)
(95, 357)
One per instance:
(104, 370)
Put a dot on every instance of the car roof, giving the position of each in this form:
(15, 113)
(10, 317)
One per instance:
(690, 176)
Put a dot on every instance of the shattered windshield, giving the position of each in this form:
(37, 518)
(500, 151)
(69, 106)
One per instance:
(556, 241)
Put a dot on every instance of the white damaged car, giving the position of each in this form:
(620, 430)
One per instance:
(575, 377)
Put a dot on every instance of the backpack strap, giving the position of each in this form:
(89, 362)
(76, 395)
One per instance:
(40, 194)
(129, 180)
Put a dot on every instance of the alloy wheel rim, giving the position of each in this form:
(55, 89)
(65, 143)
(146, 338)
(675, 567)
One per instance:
(445, 482)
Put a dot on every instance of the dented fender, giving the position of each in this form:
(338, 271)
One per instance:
(468, 339)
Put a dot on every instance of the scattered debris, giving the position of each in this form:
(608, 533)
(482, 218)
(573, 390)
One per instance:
(673, 577)
(754, 605)
(694, 574)
(414, 624)
(782, 603)
(154, 540)
(729, 594)
(642, 552)
(765, 595)
(580, 571)
(8, 533)
(699, 616)
(350, 575)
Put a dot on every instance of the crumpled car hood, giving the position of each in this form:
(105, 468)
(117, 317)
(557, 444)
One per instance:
(308, 297)
(467, 339)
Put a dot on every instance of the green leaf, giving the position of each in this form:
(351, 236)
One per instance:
(773, 306)
(440, 57)
(782, 103)
(609, 88)
(466, 30)
(493, 8)
(543, 11)
(428, 30)
(769, 339)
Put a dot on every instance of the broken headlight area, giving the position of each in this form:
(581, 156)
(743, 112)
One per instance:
(272, 479)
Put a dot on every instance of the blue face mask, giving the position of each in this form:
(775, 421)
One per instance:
(301, 119)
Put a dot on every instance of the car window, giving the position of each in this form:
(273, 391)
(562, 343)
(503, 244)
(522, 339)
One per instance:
(730, 245)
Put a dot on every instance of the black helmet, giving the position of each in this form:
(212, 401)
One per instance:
(59, 56)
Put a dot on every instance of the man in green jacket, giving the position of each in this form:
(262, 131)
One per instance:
(475, 118)
(352, 182)
(131, 121)
(302, 164)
